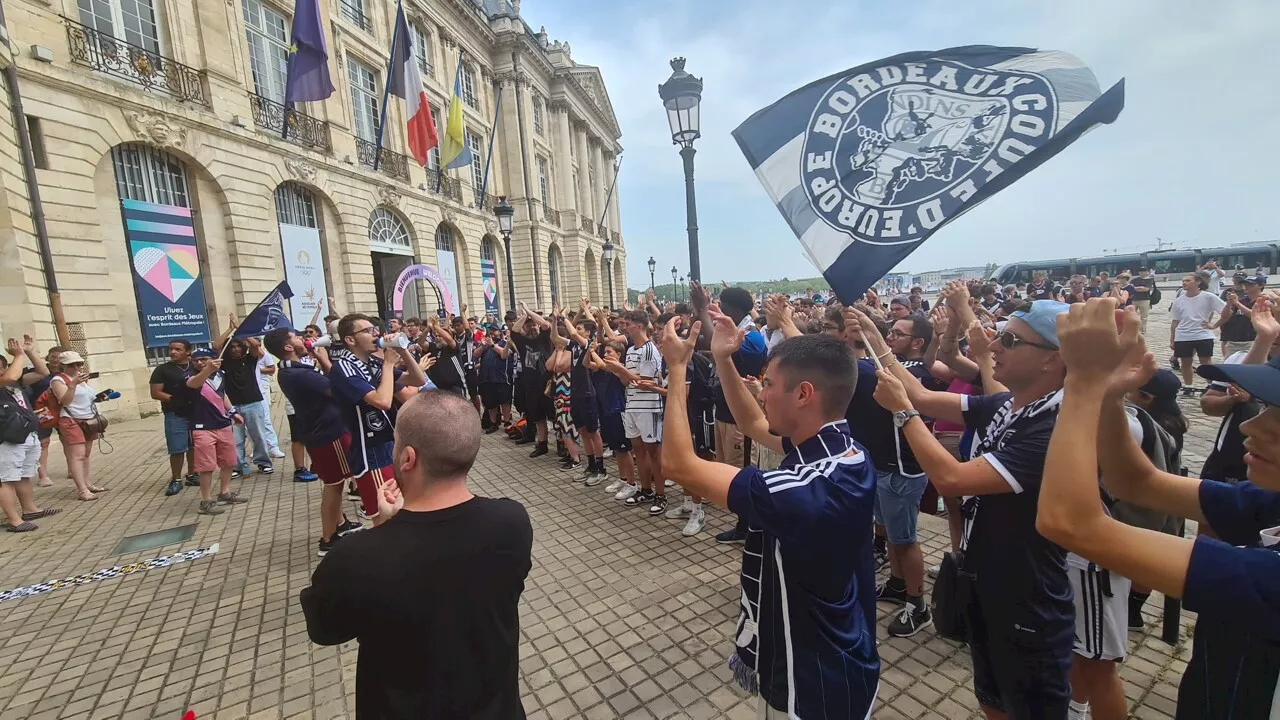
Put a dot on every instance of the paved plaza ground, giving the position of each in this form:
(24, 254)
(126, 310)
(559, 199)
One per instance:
(224, 634)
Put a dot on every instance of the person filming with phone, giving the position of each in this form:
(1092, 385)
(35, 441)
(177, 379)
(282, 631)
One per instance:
(79, 423)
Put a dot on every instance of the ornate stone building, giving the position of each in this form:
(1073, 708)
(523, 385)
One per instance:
(167, 164)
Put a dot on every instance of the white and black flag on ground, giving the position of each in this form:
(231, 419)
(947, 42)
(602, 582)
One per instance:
(868, 163)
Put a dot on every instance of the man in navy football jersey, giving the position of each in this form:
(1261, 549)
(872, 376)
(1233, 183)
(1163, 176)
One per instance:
(806, 631)
(365, 389)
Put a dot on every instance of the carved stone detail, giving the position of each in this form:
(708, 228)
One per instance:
(450, 216)
(156, 129)
(302, 169)
(389, 195)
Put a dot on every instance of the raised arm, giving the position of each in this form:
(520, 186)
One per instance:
(934, 404)
(41, 370)
(196, 381)
(602, 321)
(222, 339)
(726, 339)
(1101, 364)
(13, 373)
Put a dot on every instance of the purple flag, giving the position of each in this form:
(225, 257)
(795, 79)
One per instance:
(308, 75)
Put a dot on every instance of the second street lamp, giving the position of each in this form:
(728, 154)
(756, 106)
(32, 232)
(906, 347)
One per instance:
(682, 96)
(652, 264)
(506, 214)
(607, 252)
(674, 272)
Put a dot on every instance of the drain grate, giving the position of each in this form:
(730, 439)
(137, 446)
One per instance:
(155, 539)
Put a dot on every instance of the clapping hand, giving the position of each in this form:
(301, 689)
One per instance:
(726, 338)
(677, 350)
(1264, 319)
(1096, 355)
(11, 347)
(940, 318)
(699, 298)
(979, 339)
(390, 501)
(28, 344)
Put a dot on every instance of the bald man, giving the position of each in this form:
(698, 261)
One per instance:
(432, 592)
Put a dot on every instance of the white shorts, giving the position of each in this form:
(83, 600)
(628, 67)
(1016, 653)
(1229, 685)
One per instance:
(1102, 620)
(19, 461)
(646, 425)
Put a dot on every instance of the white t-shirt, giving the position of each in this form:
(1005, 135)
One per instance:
(1215, 282)
(264, 381)
(1191, 314)
(81, 405)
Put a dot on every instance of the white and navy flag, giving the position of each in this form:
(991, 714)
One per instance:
(868, 163)
(269, 314)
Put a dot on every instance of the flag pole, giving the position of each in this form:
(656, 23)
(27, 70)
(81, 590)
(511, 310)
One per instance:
(488, 161)
(386, 90)
(609, 198)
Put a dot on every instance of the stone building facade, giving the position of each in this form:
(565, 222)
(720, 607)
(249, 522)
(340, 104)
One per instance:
(177, 103)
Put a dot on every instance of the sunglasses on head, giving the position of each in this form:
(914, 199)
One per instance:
(1009, 341)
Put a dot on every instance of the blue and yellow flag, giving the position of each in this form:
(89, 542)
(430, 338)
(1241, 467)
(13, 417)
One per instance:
(454, 152)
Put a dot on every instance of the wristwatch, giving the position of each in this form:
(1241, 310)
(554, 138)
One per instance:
(902, 417)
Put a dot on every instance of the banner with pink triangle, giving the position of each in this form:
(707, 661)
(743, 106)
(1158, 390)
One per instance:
(166, 272)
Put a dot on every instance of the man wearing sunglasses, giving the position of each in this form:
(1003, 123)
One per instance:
(1021, 618)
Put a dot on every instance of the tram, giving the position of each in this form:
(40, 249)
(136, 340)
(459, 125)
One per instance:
(1161, 262)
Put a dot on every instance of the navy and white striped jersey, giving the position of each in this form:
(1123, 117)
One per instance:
(806, 632)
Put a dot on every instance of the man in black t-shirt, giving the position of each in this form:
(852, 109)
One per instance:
(448, 373)
(582, 399)
(1141, 296)
(168, 381)
(1041, 288)
(1021, 619)
(531, 335)
(240, 370)
(433, 594)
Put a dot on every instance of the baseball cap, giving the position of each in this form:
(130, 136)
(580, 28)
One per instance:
(1164, 386)
(1256, 279)
(1042, 316)
(1260, 381)
(202, 353)
(69, 357)
(1240, 275)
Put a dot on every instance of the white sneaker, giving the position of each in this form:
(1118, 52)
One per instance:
(615, 486)
(668, 483)
(933, 571)
(697, 519)
(276, 453)
(677, 511)
(626, 491)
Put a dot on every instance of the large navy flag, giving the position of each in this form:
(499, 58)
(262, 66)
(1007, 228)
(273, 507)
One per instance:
(307, 74)
(866, 164)
(269, 314)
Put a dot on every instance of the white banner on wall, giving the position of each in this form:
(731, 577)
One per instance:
(304, 270)
(448, 269)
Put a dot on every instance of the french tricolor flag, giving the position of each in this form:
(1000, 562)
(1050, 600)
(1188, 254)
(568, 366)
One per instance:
(405, 81)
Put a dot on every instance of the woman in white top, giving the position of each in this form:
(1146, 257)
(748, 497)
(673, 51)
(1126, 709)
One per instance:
(76, 420)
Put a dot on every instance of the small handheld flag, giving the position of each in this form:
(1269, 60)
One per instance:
(269, 314)
(307, 77)
(405, 81)
(867, 164)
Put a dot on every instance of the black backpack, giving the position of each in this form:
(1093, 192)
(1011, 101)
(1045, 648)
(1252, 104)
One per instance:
(16, 421)
(1154, 295)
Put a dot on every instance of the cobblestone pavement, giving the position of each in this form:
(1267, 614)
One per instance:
(621, 617)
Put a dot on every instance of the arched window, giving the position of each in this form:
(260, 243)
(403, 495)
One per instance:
(553, 272)
(387, 233)
(150, 175)
(444, 238)
(295, 205)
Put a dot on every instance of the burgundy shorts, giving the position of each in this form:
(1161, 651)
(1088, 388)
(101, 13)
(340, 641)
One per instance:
(367, 486)
(329, 461)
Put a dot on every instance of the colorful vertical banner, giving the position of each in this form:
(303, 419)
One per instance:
(489, 278)
(304, 271)
(166, 272)
(449, 271)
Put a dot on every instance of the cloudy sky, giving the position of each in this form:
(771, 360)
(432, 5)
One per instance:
(1194, 159)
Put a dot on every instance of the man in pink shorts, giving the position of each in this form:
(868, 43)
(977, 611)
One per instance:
(212, 439)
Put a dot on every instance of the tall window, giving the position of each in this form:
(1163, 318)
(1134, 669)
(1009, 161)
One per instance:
(444, 238)
(354, 11)
(295, 205)
(469, 87)
(268, 49)
(387, 233)
(544, 187)
(149, 175)
(486, 250)
(433, 155)
(553, 272)
(133, 21)
(574, 190)
(537, 116)
(422, 49)
(364, 100)
(476, 145)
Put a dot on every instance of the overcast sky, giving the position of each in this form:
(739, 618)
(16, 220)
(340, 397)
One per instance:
(1194, 158)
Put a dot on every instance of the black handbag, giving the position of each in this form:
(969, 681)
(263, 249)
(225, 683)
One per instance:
(952, 593)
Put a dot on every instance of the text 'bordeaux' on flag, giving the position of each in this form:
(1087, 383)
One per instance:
(866, 164)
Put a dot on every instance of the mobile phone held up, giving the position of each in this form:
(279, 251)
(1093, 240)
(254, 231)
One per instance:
(93, 375)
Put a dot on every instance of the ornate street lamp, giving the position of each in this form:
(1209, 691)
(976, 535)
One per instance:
(506, 214)
(607, 251)
(682, 95)
(674, 295)
(682, 289)
(652, 265)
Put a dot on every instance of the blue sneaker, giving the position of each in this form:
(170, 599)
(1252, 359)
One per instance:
(304, 475)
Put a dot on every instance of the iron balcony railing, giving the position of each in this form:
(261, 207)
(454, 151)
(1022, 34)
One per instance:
(552, 216)
(617, 237)
(451, 188)
(586, 224)
(303, 129)
(353, 10)
(108, 54)
(392, 163)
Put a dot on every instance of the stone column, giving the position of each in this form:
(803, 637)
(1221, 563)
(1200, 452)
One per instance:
(615, 218)
(602, 180)
(585, 192)
(565, 192)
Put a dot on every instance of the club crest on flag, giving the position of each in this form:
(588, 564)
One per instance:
(866, 164)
